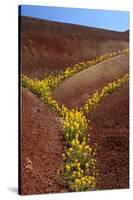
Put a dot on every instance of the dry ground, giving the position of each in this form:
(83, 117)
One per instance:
(47, 46)
(75, 91)
(41, 147)
(110, 130)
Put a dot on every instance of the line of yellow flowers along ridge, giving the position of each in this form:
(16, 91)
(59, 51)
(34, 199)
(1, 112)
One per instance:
(79, 169)
(99, 96)
(45, 86)
(80, 164)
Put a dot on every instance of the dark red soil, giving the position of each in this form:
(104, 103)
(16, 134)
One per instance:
(110, 130)
(48, 46)
(41, 147)
(110, 121)
(75, 91)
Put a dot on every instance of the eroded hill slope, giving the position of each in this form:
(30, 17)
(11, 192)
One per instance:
(48, 46)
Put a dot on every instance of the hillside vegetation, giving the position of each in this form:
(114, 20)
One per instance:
(79, 169)
(48, 46)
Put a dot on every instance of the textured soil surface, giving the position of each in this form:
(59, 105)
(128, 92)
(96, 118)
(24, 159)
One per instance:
(48, 46)
(110, 121)
(41, 147)
(75, 91)
(110, 130)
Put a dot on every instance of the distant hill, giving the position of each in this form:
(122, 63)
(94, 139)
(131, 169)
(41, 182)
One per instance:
(47, 46)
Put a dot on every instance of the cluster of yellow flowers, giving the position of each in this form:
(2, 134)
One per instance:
(74, 125)
(43, 88)
(54, 79)
(79, 162)
(79, 159)
(85, 183)
(98, 96)
(70, 71)
(80, 155)
(79, 169)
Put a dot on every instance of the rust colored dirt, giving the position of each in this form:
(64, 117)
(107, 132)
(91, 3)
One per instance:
(75, 91)
(41, 147)
(49, 46)
(110, 130)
